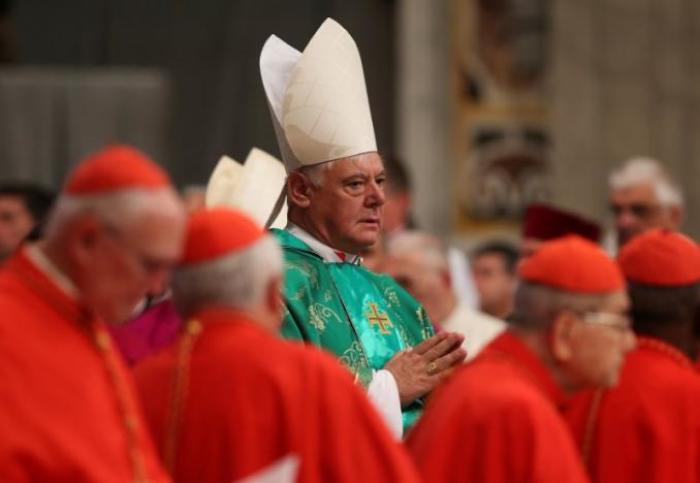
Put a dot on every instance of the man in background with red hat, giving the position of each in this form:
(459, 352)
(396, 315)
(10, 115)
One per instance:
(231, 398)
(69, 412)
(545, 222)
(648, 427)
(497, 419)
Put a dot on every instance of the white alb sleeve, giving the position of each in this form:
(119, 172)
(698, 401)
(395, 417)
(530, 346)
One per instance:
(384, 394)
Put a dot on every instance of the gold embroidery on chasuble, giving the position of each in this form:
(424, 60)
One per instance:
(355, 360)
(379, 319)
(307, 271)
(391, 296)
(425, 324)
(320, 315)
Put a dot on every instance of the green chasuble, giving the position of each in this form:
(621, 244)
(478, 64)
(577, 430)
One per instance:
(362, 317)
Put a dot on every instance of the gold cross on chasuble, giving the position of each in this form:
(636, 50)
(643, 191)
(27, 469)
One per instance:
(380, 319)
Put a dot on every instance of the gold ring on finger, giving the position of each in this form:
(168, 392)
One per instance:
(432, 368)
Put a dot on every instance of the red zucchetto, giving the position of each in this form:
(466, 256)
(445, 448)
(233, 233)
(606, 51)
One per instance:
(217, 232)
(573, 264)
(661, 257)
(114, 168)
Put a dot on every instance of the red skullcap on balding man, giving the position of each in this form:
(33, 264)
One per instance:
(573, 264)
(661, 257)
(217, 232)
(114, 168)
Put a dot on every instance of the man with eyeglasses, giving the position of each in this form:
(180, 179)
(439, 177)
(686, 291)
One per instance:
(648, 427)
(643, 196)
(498, 418)
(69, 411)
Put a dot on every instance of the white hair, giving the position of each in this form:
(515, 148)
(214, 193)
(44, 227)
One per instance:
(238, 280)
(118, 209)
(421, 245)
(641, 170)
(315, 172)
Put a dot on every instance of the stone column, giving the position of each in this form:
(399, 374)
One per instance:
(423, 111)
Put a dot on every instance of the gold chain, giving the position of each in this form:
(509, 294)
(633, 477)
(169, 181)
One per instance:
(179, 393)
(103, 342)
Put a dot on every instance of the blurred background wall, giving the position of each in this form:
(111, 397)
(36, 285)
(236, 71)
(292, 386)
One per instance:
(190, 66)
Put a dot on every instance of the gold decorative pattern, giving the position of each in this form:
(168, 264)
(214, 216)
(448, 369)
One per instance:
(380, 319)
(300, 294)
(320, 315)
(104, 345)
(179, 393)
(426, 326)
(391, 296)
(307, 271)
(355, 360)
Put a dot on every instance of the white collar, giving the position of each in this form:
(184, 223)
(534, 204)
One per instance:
(328, 254)
(48, 268)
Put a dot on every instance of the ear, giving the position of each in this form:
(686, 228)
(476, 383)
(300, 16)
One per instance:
(299, 189)
(82, 239)
(561, 336)
(273, 295)
(447, 278)
(676, 213)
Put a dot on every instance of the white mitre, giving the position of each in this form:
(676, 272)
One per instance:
(318, 99)
(253, 187)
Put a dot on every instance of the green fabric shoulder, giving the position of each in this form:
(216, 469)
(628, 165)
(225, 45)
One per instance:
(361, 317)
(306, 284)
(333, 305)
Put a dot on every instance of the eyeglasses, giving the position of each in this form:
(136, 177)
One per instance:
(617, 321)
(638, 210)
(147, 264)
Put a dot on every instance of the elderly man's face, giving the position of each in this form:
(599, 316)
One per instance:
(346, 210)
(429, 285)
(637, 209)
(15, 223)
(598, 342)
(128, 262)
